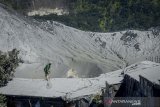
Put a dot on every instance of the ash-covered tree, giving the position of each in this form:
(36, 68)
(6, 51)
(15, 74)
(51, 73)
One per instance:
(9, 61)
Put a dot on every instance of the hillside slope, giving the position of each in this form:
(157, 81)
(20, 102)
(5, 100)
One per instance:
(89, 53)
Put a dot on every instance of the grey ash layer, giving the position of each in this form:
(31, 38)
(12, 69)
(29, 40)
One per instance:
(89, 53)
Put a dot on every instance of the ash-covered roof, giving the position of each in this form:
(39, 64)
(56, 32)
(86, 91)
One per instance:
(146, 69)
(67, 88)
(75, 88)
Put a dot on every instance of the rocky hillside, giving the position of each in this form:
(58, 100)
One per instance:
(89, 53)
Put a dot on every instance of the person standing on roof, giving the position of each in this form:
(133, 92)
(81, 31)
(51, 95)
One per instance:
(47, 71)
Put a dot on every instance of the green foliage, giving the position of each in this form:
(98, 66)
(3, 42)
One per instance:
(8, 63)
(104, 15)
(7, 2)
(19, 5)
(102, 24)
(2, 101)
(110, 15)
